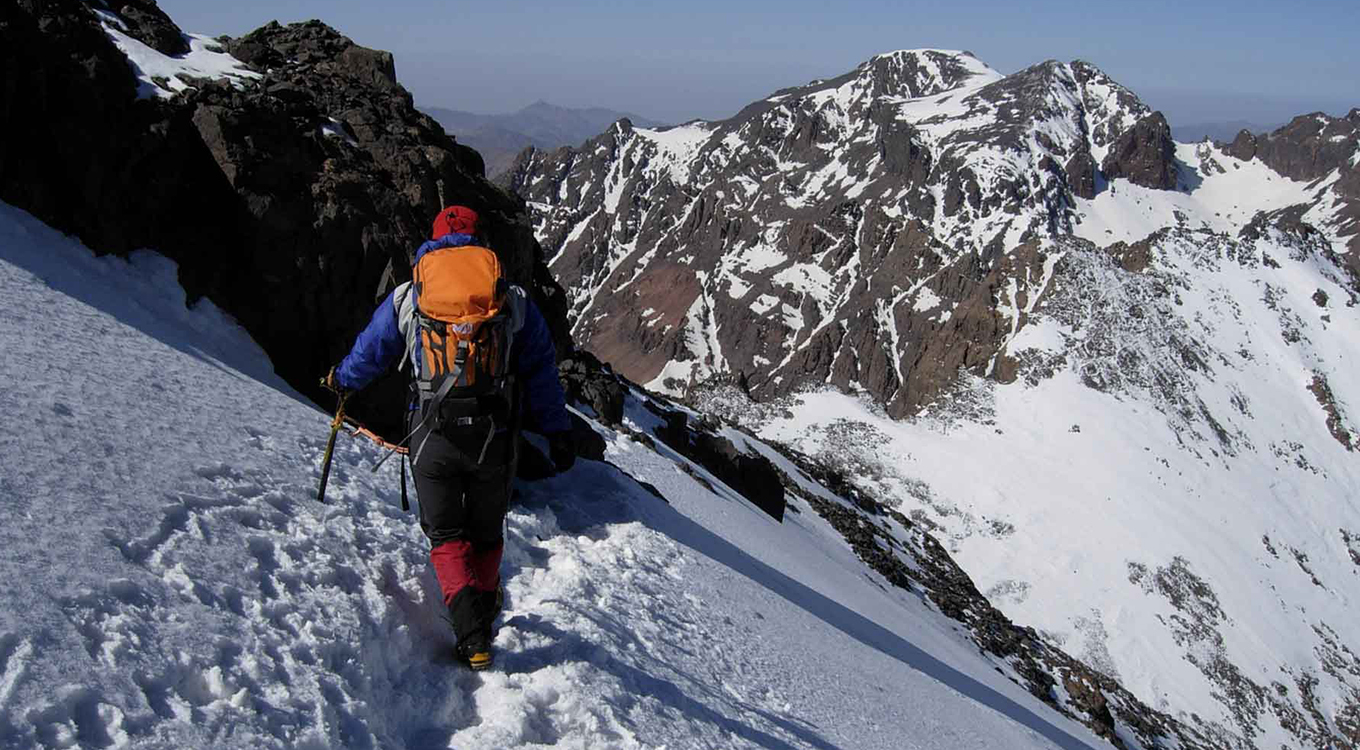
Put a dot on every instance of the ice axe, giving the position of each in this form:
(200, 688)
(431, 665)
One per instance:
(336, 424)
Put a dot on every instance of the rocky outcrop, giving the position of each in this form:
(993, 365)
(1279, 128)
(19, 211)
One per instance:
(1336, 422)
(1110, 108)
(1309, 147)
(285, 200)
(148, 24)
(1081, 175)
(1312, 147)
(1144, 155)
(751, 475)
(592, 383)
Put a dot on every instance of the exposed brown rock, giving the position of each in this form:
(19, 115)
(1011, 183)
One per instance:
(591, 383)
(1081, 174)
(1133, 257)
(1145, 155)
(751, 475)
(666, 238)
(1243, 146)
(1336, 422)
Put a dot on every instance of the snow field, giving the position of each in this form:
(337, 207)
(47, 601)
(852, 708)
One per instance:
(1225, 193)
(1065, 493)
(170, 581)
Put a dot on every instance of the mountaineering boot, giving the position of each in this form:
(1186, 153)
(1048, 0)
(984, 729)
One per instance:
(492, 603)
(467, 613)
(476, 651)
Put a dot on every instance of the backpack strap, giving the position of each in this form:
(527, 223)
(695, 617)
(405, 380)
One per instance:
(518, 301)
(450, 380)
(404, 301)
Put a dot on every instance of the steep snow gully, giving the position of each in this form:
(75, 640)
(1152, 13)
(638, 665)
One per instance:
(168, 580)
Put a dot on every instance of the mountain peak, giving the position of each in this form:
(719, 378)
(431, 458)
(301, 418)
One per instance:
(921, 53)
(915, 73)
(540, 106)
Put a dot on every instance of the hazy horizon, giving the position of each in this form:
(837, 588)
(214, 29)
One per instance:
(1211, 62)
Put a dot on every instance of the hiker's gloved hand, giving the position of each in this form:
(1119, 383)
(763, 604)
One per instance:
(562, 450)
(332, 383)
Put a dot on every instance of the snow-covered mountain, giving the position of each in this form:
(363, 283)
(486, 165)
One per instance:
(834, 215)
(1127, 365)
(169, 579)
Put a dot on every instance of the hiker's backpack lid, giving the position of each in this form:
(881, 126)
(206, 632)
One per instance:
(454, 284)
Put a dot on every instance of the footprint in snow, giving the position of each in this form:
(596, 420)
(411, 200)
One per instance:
(78, 718)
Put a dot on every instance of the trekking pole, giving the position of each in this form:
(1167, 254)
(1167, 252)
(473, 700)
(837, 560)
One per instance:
(330, 447)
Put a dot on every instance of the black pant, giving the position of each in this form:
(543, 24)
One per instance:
(460, 498)
(463, 501)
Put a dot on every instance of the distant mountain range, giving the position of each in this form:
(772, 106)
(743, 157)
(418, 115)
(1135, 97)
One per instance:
(1223, 132)
(541, 125)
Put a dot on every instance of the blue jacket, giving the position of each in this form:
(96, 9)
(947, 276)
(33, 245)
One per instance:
(532, 358)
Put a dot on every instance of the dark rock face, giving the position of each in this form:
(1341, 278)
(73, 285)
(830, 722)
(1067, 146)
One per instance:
(1081, 175)
(1309, 147)
(1336, 422)
(591, 383)
(754, 476)
(1144, 154)
(283, 201)
(1243, 146)
(148, 24)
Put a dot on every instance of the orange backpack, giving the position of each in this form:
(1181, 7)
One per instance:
(464, 323)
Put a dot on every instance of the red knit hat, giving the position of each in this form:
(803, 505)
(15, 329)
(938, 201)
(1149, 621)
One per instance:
(455, 220)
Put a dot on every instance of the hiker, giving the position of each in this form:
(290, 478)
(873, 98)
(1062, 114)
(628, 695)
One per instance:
(470, 392)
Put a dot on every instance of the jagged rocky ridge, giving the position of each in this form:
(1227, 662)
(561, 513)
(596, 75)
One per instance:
(806, 239)
(1313, 148)
(284, 196)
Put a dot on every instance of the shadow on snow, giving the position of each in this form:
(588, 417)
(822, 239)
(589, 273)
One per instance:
(616, 497)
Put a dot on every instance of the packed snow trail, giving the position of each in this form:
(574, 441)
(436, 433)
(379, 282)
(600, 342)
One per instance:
(168, 579)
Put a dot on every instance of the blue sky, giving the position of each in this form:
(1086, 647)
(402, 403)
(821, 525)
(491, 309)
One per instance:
(1198, 61)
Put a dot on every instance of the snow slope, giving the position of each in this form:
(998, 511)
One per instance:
(168, 579)
(1161, 492)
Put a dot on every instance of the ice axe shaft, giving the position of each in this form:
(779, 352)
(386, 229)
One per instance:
(336, 424)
